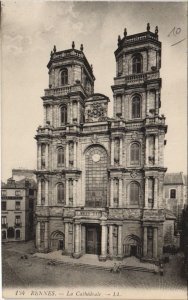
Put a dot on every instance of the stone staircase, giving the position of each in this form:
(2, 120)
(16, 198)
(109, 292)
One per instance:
(91, 261)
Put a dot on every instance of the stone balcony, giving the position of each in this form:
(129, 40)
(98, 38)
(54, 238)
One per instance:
(155, 120)
(64, 90)
(153, 215)
(136, 78)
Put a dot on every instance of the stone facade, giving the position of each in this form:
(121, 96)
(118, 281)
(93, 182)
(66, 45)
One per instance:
(100, 179)
(175, 195)
(17, 209)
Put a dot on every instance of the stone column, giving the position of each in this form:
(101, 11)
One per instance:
(67, 155)
(120, 252)
(147, 151)
(46, 192)
(156, 150)
(146, 192)
(39, 193)
(155, 193)
(121, 152)
(46, 236)
(78, 112)
(112, 152)
(145, 247)
(67, 192)
(74, 151)
(83, 239)
(103, 242)
(67, 237)
(51, 115)
(46, 156)
(155, 237)
(38, 235)
(39, 156)
(111, 192)
(71, 112)
(157, 102)
(111, 250)
(120, 192)
(77, 241)
(74, 192)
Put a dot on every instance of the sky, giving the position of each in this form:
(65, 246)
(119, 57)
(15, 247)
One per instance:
(30, 29)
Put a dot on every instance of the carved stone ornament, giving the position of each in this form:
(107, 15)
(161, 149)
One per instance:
(59, 176)
(94, 139)
(97, 111)
(134, 135)
(134, 174)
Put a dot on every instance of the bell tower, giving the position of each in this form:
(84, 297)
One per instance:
(136, 93)
(71, 81)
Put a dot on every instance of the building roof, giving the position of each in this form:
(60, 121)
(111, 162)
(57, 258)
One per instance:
(21, 184)
(174, 178)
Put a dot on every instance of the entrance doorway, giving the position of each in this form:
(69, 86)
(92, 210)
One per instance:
(133, 250)
(93, 239)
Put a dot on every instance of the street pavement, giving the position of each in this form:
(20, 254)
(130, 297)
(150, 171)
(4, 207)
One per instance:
(35, 272)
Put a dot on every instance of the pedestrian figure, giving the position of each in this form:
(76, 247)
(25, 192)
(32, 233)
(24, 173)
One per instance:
(115, 269)
(161, 269)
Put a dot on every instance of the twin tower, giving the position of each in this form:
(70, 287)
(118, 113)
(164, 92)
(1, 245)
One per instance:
(100, 179)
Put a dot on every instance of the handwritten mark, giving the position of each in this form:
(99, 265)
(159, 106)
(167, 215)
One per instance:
(174, 33)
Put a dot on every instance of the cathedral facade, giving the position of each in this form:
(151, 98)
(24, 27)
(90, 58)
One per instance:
(100, 179)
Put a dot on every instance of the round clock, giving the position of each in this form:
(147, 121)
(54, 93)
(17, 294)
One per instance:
(96, 157)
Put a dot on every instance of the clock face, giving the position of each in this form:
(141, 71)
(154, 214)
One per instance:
(96, 157)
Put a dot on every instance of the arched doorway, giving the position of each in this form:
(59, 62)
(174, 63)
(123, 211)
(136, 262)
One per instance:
(132, 246)
(57, 239)
(10, 233)
(96, 176)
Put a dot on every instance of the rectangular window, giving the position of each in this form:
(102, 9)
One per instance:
(71, 154)
(173, 194)
(3, 205)
(17, 192)
(17, 220)
(3, 220)
(43, 150)
(150, 192)
(3, 192)
(17, 206)
(31, 192)
(116, 150)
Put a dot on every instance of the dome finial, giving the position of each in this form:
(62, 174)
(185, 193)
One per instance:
(81, 47)
(73, 45)
(148, 26)
(156, 30)
(54, 49)
(119, 40)
(125, 32)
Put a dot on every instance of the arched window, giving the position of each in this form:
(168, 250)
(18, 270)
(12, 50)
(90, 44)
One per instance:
(64, 77)
(137, 63)
(134, 193)
(136, 107)
(63, 115)
(135, 154)
(42, 192)
(173, 193)
(60, 156)
(17, 234)
(60, 193)
(96, 177)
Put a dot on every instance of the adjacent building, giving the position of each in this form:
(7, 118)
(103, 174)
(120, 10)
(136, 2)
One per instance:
(17, 210)
(175, 195)
(100, 179)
